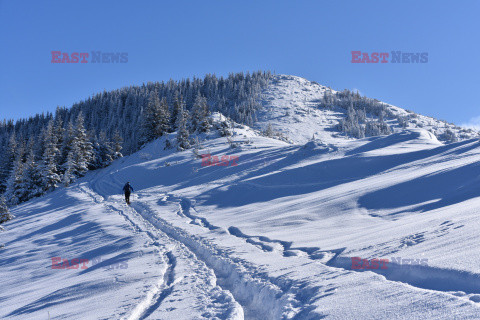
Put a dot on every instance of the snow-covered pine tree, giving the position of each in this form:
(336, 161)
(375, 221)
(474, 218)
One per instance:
(96, 161)
(4, 213)
(351, 124)
(224, 128)
(66, 147)
(151, 119)
(39, 147)
(361, 115)
(164, 123)
(269, 132)
(48, 168)
(449, 136)
(117, 145)
(178, 108)
(183, 141)
(59, 132)
(75, 153)
(156, 119)
(376, 128)
(70, 167)
(327, 98)
(15, 192)
(8, 159)
(199, 120)
(82, 147)
(106, 150)
(32, 178)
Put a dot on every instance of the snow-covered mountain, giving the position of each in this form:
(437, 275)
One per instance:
(293, 107)
(326, 228)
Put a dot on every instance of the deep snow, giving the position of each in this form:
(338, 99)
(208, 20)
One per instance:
(270, 238)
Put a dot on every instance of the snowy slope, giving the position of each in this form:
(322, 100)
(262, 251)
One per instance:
(130, 267)
(269, 238)
(271, 235)
(291, 106)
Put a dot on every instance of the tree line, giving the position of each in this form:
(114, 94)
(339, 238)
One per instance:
(356, 122)
(52, 149)
(158, 120)
(38, 163)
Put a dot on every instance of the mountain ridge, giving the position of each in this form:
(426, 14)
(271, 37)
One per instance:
(293, 106)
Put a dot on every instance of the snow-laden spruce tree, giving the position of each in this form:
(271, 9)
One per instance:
(376, 128)
(448, 136)
(225, 128)
(352, 123)
(104, 152)
(156, 118)
(4, 213)
(7, 161)
(59, 133)
(200, 113)
(107, 151)
(269, 132)
(48, 168)
(69, 168)
(32, 177)
(66, 145)
(15, 192)
(81, 147)
(97, 151)
(117, 145)
(164, 114)
(178, 108)
(183, 137)
(151, 118)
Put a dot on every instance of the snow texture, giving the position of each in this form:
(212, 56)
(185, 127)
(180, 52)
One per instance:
(271, 237)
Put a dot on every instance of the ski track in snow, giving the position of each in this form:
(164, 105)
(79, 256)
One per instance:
(264, 243)
(160, 291)
(167, 287)
(259, 297)
(443, 280)
(457, 283)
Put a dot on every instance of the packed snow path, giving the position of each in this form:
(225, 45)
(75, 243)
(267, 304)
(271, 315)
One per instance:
(198, 280)
(259, 297)
(263, 297)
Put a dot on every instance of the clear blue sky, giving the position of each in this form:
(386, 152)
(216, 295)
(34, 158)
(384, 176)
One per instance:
(179, 39)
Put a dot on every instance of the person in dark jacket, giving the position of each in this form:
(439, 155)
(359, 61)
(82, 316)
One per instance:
(127, 189)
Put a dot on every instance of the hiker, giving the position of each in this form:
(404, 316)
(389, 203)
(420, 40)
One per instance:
(127, 188)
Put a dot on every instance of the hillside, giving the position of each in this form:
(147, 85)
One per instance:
(48, 150)
(290, 218)
(272, 237)
(294, 107)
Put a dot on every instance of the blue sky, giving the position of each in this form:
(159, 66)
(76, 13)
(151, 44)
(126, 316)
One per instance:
(179, 39)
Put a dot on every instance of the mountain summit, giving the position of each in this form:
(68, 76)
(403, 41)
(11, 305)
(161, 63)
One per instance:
(300, 110)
